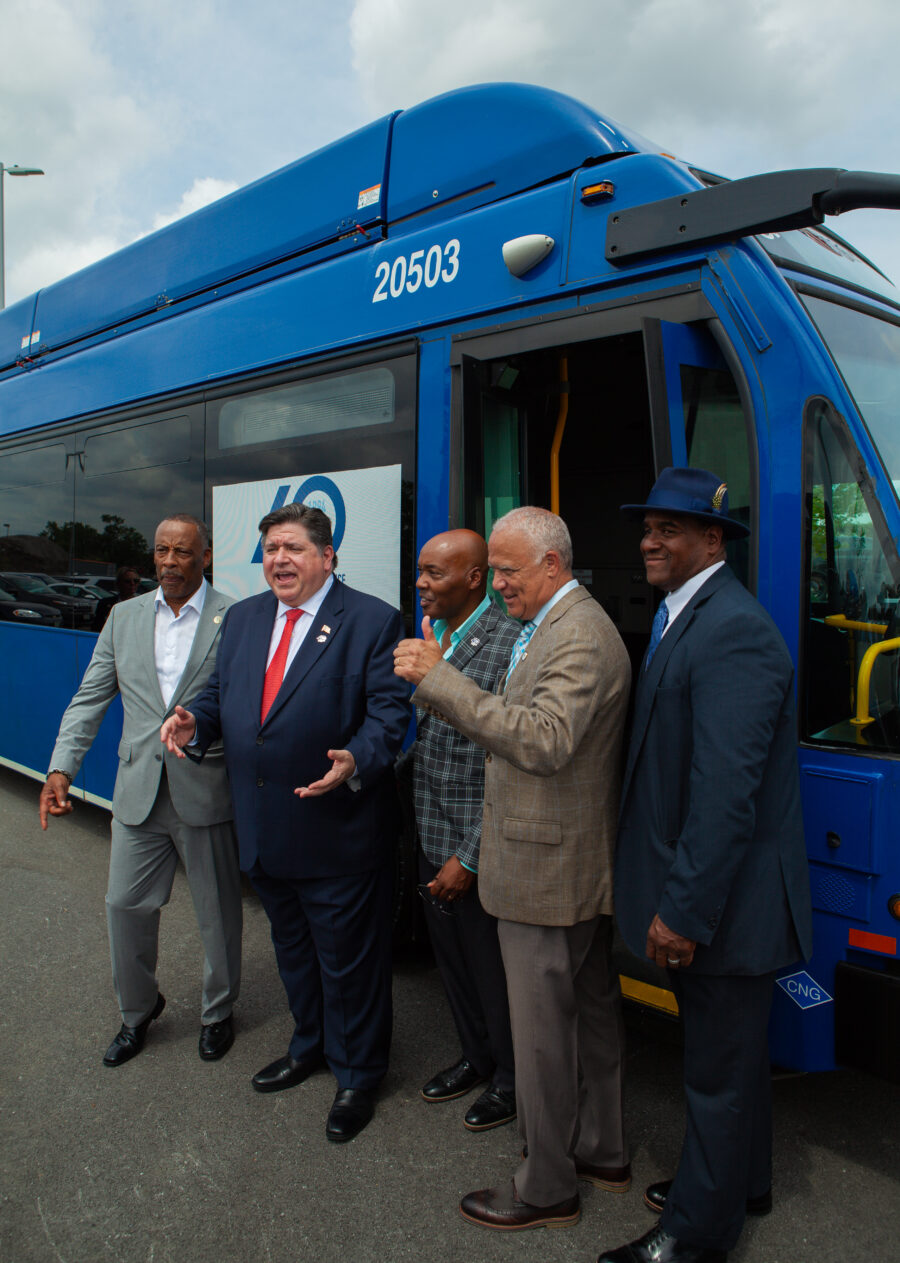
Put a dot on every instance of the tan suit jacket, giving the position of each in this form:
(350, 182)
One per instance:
(552, 773)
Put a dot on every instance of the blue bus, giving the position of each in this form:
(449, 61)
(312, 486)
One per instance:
(499, 297)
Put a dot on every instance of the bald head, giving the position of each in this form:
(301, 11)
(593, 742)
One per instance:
(452, 576)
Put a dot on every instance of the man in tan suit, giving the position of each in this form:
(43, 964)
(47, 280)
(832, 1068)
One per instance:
(553, 737)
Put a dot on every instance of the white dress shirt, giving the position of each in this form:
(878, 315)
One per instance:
(173, 638)
(301, 627)
(679, 598)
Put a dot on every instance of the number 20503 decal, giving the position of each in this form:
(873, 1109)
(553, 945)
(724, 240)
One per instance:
(423, 267)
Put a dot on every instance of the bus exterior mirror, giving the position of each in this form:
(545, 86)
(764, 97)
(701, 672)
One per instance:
(524, 253)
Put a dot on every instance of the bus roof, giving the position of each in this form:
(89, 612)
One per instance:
(481, 144)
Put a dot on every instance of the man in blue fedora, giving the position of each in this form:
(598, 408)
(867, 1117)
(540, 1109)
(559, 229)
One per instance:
(711, 873)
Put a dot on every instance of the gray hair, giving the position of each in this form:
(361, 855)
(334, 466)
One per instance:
(546, 531)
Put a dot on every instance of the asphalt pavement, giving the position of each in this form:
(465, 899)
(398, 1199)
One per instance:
(172, 1160)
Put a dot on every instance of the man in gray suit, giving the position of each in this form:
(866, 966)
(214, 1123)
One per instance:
(711, 873)
(553, 735)
(157, 651)
(448, 793)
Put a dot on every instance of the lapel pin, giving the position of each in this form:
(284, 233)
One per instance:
(218, 618)
(326, 629)
(474, 641)
(321, 639)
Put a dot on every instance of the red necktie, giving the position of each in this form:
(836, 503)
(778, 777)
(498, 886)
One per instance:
(275, 669)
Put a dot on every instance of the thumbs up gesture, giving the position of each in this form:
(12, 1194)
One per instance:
(413, 659)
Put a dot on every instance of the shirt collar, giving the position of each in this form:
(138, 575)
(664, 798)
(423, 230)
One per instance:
(440, 626)
(554, 600)
(194, 602)
(312, 604)
(678, 599)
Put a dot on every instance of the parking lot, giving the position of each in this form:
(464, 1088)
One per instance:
(172, 1160)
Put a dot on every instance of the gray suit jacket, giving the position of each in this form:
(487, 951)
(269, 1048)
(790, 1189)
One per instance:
(448, 768)
(123, 662)
(552, 773)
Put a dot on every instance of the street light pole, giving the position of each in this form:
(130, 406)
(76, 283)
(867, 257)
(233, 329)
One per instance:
(4, 171)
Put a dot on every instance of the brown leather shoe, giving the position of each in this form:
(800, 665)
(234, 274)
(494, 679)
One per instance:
(501, 1208)
(613, 1179)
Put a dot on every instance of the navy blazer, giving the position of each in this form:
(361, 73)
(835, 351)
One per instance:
(339, 693)
(710, 828)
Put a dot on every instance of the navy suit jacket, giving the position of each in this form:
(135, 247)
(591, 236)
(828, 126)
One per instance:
(710, 828)
(339, 693)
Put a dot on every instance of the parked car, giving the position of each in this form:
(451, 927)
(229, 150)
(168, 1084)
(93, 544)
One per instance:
(75, 611)
(13, 610)
(79, 590)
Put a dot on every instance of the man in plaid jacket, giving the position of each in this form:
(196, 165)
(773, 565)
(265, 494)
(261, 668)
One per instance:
(448, 786)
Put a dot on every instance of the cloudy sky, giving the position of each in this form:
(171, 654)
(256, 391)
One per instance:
(142, 110)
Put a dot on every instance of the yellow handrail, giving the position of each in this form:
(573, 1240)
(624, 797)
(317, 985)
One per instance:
(851, 624)
(558, 435)
(865, 672)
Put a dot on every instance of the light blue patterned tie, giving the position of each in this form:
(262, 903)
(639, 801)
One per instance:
(519, 647)
(660, 619)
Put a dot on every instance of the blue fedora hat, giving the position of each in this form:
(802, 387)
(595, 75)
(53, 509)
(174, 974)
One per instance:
(696, 492)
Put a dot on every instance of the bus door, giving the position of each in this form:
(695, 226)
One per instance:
(584, 427)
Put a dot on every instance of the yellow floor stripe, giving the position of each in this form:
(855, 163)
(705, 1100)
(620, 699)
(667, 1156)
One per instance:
(645, 993)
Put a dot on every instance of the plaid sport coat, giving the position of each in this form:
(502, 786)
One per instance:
(448, 768)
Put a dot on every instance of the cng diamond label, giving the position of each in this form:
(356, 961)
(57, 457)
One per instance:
(804, 990)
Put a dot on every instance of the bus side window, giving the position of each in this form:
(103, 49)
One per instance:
(852, 588)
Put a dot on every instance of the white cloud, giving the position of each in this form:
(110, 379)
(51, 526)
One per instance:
(204, 190)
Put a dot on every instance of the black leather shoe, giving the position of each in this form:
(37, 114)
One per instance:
(502, 1208)
(351, 1111)
(655, 1197)
(130, 1039)
(284, 1073)
(658, 1246)
(492, 1109)
(455, 1081)
(216, 1039)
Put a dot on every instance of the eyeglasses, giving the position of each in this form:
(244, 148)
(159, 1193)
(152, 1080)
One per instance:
(439, 905)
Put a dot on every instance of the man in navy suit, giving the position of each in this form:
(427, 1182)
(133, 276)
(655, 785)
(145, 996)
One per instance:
(711, 873)
(312, 716)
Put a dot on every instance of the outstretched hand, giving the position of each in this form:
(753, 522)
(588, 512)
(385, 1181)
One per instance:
(343, 765)
(413, 659)
(178, 731)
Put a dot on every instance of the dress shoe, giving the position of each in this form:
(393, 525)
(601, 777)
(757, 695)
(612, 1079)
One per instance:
(492, 1109)
(501, 1208)
(130, 1039)
(216, 1039)
(286, 1072)
(658, 1246)
(351, 1111)
(613, 1179)
(655, 1197)
(455, 1081)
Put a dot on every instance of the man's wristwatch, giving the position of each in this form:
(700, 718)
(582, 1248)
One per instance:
(59, 771)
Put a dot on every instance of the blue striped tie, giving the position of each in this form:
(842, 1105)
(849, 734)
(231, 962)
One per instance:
(519, 647)
(660, 619)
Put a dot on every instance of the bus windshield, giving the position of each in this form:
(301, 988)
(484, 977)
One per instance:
(867, 352)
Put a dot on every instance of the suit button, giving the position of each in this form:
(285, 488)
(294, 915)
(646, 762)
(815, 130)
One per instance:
(713, 922)
(260, 782)
(158, 758)
(259, 741)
